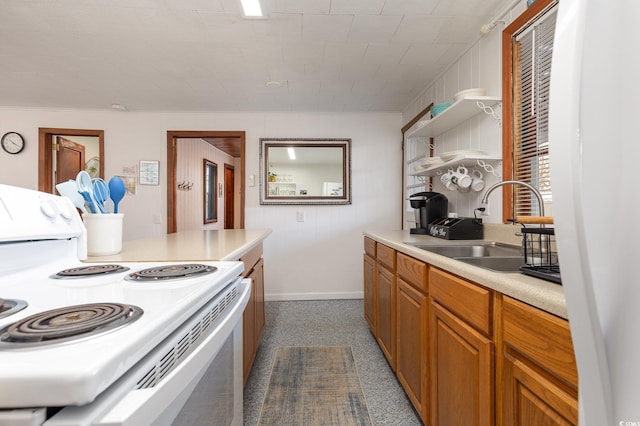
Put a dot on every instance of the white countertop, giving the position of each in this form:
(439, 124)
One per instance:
(202, 245)
(542, 294)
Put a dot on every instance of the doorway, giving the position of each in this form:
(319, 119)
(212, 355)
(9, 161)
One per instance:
(46, 148)
(229, 196)
(230, 142)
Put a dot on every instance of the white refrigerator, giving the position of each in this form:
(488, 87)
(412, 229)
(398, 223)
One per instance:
(594, 138)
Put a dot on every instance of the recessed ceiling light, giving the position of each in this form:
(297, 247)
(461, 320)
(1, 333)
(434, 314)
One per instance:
(251, 8)
(119, 107)
(273, 83)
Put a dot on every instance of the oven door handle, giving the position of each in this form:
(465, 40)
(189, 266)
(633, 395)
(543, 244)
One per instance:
(160, 404)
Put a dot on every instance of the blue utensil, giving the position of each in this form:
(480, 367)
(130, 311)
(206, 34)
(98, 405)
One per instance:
(85, 188)
(116, 191)
(100, 193)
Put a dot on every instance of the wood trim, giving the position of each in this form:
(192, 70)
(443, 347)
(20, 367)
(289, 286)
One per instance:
(507, 99)
(45, 155)
(172, 159)
(415, 119)
(406, 127)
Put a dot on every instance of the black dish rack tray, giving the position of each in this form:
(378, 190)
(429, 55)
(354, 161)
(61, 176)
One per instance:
(541, 257)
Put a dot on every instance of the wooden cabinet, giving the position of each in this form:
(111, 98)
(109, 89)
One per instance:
(461, 352)
(369, 291)
(465, 354)
(411, 350)
(253, 319)
(369, 282)
(539, 374)
(386, 320)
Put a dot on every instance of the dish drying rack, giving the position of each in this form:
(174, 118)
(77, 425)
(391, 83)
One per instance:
(540, 254)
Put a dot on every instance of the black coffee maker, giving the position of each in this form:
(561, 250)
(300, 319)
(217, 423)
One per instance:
(429, 207)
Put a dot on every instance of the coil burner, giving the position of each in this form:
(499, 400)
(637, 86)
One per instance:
(70, 322)
(171, 272)
(11, 306)
(90, 271)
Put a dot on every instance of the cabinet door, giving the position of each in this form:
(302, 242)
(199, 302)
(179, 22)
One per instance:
(461, 371)
(530, 399)
(369, 291)
(411, 351)
(259, 295)
(386, 321)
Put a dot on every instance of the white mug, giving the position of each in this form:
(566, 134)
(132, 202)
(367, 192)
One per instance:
(447, 180)
(461, 177)
(478, 183)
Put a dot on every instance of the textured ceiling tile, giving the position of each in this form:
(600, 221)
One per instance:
(420, 28)
(388, 53)
(409, 7)
(343, 53)
(326, 28)
(373, 28)
(306, 6)
(353, 7)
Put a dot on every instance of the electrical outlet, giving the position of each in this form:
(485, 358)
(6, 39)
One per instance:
(300, 216)
(485, 212)
(252, 180)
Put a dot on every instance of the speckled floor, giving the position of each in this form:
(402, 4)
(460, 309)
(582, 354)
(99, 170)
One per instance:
(335, 323)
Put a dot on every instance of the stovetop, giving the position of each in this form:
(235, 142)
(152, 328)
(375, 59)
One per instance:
(88, 364)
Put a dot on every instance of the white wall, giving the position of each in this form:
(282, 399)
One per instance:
(321, 257)
(480, 66)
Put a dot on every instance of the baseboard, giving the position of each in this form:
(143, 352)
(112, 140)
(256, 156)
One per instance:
(279, 297)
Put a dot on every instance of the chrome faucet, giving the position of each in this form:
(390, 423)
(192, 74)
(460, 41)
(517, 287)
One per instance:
(515, 182)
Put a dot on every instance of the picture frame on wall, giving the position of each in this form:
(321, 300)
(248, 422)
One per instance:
(149, 172)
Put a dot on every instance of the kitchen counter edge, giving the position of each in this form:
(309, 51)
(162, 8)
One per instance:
(196, 245)
(536, 292)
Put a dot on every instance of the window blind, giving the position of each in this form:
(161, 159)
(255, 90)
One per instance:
(532, 72)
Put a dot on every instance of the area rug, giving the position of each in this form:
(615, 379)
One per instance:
(317, 385)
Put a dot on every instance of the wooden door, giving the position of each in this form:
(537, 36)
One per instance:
(461, 374)
(259, 284)
(70, 159)
(369, 291)
(229, 197)
(411, 349)
(386, 321)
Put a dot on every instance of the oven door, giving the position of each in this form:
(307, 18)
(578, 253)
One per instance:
(203, 387)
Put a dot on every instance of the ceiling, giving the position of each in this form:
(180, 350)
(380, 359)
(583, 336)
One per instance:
(201, 55)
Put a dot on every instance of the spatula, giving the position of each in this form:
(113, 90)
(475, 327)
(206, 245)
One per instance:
(116, 191)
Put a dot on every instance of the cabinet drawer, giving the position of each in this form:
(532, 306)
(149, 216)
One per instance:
(413, 271)
(386, 255)
(251, 258)
(370, 247)
(542, 337)
(469, 301)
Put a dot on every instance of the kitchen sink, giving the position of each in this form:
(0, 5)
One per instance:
(497, 263)
(489, 255)
(475, 249)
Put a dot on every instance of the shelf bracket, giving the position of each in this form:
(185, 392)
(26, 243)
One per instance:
(490, 111)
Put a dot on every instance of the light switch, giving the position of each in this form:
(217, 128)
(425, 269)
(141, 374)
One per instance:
(252, 180)
(300, 216)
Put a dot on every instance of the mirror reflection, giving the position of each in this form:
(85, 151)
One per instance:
(210, 176)
(305, 171)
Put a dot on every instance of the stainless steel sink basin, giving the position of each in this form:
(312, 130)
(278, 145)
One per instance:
(476, 249)
(500, 264)
(489, 255)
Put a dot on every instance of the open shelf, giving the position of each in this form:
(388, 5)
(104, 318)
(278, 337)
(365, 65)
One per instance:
(451, 117)
(468, 160)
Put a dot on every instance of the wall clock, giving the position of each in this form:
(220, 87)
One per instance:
(12, 142)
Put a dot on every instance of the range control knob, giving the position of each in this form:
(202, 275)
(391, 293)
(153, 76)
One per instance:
(65, 212)
(49, 209)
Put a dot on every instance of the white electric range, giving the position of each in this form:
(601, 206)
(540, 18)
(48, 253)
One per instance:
(126, 343)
